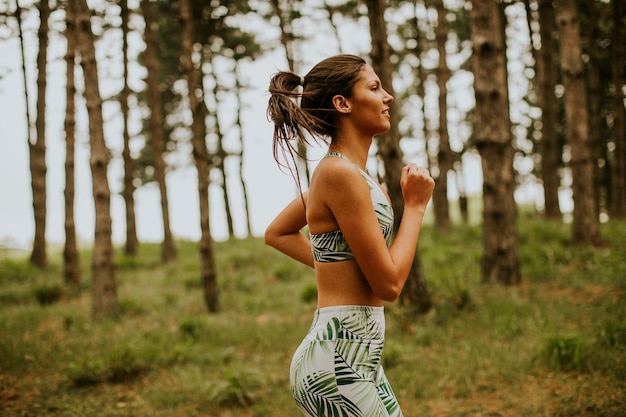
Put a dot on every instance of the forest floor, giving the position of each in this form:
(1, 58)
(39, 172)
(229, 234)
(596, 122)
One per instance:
(555, 345)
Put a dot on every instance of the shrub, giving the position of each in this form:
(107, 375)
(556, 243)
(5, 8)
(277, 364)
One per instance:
(309, 293)
(234, 391)
(565, 353)
(48, 293)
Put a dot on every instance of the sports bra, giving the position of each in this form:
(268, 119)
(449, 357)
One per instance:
(332, 246)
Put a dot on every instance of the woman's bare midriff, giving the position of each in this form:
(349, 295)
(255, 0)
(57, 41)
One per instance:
(343, 283)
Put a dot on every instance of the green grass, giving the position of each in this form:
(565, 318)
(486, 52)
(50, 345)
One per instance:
(553, 346)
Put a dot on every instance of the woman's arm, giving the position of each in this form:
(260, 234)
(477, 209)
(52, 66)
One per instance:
(348, 198)
(284, 233)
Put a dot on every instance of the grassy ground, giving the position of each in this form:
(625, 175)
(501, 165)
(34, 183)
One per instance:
(553, 346)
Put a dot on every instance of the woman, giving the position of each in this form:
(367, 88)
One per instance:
(337, 368)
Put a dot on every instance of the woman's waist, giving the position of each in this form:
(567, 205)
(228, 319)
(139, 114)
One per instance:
(348, 322)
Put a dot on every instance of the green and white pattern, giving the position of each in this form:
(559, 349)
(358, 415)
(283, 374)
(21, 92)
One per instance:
(337, 369)
(332, 246)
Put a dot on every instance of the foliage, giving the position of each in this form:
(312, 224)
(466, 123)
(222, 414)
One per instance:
(554, 345)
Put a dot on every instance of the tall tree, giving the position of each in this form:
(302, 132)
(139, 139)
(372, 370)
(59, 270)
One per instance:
(239, 123)
(415, 292)
(586, 224)
(596, 96)
(71, 266)
(157, 134)
(546, 79)
(618, 175)
(444, 154)
(220, 155)
(200, 154)
(493, 137)
(129, 188)
(103, 267)
(285, 10)
(37, 149)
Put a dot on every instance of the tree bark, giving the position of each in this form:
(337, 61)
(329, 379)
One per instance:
(200, 154)
(415, 292)
(288, 40)
(103, 268)
(546, 78)
(444, 154)
(586, 225)
(37, 150)
(239, 123)
(219, 157)
(168, 251)
(492, 132)
(618, 174)
(596, 118)
(129, 189)
(71, 265)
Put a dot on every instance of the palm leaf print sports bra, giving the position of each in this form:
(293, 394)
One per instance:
(332, 246)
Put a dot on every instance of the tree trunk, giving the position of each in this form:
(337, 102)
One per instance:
(219, 157)
(596, 119)
(129, 189)
(103, 267)
(287, 39)
(239, 123)
(200, 154)
(37, 150)
(168, 251)
(546, 78)
(415, 292)
(492, 132)
(444, 154)
(618, 174)
(71, 265)
(586, 225)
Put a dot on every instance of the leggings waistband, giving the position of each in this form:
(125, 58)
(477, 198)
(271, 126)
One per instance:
(367, 322)
(374, 312)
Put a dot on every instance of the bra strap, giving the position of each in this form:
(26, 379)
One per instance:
(337, 154)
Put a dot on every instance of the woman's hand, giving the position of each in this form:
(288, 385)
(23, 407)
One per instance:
(417, 186)
(284, 233)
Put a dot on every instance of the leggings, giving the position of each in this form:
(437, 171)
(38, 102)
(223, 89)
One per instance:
(337, 369)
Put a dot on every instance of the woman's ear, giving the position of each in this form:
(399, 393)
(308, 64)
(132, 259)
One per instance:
(342, 105)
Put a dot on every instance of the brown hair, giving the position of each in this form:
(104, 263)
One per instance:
(316, 114)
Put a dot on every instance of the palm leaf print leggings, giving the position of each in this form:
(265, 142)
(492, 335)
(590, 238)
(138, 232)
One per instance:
(337, 369)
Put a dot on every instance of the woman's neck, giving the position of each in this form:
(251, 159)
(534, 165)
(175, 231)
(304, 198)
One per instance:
(356, 150)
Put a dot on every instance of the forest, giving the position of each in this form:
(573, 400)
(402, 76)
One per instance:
(516, 107)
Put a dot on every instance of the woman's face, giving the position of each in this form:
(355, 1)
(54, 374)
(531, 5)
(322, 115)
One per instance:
(370, 103)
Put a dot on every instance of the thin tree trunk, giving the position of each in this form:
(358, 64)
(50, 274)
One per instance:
(71, 265)
(460, 184)
(330, 9)
(287, 39)
(586, 225)
(596, 119)
(546, 78)
(492, 132)
(220, 156)
(168, 251)
(618, 174)
(37, 150)
(444, 154)
(103, 266)
(239, 122)
(415, 292)
(209, 276)
(129, 189)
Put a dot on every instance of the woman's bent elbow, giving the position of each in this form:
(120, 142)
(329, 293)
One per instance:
(269, 238)
(390, 293)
